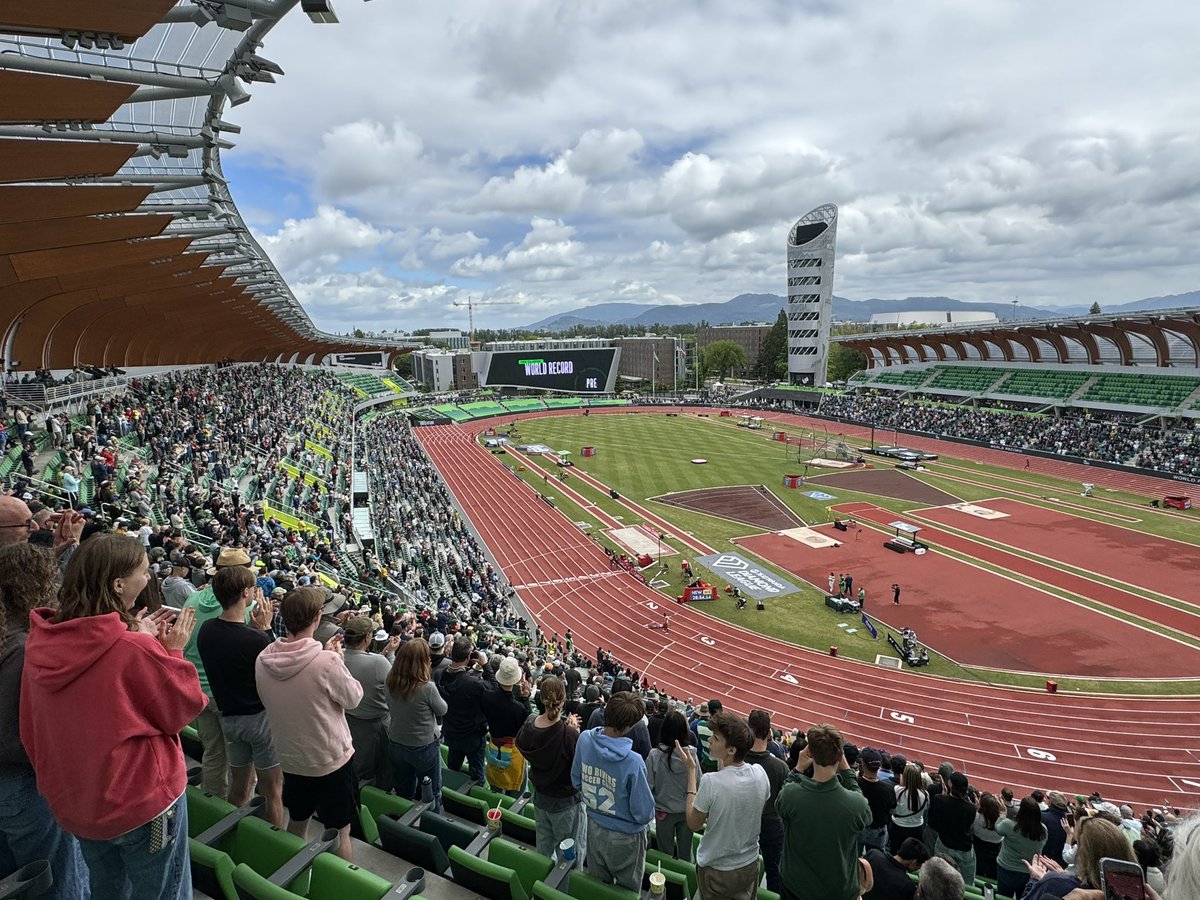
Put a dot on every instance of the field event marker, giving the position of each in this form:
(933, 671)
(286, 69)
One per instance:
(790, 679)
(981, 512)
(707, 640)
(1035, 753)
(810, 538)
(753, 580)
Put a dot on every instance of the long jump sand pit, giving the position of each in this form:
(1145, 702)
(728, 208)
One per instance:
(885, 483)
(974, 616)
(750, 504)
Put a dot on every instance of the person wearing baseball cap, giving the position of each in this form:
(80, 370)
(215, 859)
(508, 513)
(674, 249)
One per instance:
(880, 795)
(438, 661)
(215, 764)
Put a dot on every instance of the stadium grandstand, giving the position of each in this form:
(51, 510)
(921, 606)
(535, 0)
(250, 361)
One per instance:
(1137, 364)
(243, 586)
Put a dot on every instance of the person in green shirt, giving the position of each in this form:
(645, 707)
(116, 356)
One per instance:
(1024, 838)
(822, 815)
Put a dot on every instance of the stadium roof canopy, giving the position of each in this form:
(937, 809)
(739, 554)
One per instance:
(1166, 338)
(119, 241)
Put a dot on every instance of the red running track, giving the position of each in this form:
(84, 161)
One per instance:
(974, 616)
(1136, 749)
(1122, 553)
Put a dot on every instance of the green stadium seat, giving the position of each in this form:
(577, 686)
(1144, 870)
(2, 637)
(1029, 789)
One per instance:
(456, 781)
(254, 843)
(582, 886)
(519, 827)
(330, 878)
(529, 865)
(374, 803)
(543, 891)
(464, 807)
(484, 877)
(417, 847)
(449, 832)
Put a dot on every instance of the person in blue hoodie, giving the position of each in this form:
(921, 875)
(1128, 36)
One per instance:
(611, 776)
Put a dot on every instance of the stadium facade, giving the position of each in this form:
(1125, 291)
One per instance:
(810, 252)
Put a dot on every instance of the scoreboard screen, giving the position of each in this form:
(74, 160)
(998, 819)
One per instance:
(368, 358)
(571, 371)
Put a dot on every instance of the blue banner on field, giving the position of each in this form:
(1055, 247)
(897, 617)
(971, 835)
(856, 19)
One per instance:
(753, 580)
(870, 626)
(818, 495)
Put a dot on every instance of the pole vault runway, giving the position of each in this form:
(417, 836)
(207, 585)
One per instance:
(1136, 749)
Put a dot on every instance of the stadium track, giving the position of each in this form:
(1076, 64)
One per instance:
(1135, 749)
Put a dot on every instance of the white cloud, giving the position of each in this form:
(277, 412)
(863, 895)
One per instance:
(665, 150)
(547, 189)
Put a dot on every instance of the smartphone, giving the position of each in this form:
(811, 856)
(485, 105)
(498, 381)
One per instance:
(1122, 880)
(989, 892)
(340, 633)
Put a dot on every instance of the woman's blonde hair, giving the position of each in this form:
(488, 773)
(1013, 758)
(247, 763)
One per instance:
(552, 695)
(1099, 838)
(411, 668)
(27, 575)
(88, 584)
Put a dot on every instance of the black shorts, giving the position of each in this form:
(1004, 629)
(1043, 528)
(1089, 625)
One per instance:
(333, 797)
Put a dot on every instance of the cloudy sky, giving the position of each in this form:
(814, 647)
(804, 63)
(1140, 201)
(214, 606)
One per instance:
(541, 156)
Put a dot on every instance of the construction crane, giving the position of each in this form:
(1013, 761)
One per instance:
(470, 303)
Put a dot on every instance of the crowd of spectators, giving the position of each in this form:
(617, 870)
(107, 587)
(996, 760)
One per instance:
(217, 616)
(1101, 437)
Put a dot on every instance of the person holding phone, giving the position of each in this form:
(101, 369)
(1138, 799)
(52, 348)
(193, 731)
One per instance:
(306, 690)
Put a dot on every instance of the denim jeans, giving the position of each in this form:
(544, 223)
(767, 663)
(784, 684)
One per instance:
(411, 764)
(124, 868)
(872, 839)
(28, 833)
(964, 859)
(474, 753)
(556, 825)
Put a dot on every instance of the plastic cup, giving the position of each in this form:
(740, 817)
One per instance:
(493, 819)
(566, 849)
(658, 883)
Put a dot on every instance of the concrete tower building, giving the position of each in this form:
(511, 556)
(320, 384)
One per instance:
(810, 248)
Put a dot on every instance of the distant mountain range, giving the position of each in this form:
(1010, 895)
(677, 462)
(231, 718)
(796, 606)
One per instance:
(765, 308)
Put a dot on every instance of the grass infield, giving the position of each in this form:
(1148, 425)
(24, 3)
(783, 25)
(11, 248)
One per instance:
(643, 455)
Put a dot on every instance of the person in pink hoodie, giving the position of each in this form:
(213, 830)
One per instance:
(306, 689)
(104, 695)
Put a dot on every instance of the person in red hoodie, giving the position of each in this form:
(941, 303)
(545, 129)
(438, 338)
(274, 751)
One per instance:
(103, 696)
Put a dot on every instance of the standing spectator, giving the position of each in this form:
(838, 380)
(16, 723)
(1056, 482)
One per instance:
(668, 781)
(641, 731)
(506, 710)
(369, 721)
(951, 816)
(438, 661)
(612, 778)
(701, 732)
(414, 707)
(1056, 835)
(28, 831)
(103, 698)
(985, 837)
(728, 805)
(770, 828)
(880, 796)
(890, 874)
(177, 587)
(229, 648)
(215, 764)
(464, 726)
(70, 485)
(306, 689)
(912, 802)
(548, 743)
(1023, 840)
(822, 817)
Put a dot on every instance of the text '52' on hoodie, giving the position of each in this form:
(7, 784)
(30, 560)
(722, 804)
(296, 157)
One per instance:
(612, 779)
(306, 691)
(101, 710)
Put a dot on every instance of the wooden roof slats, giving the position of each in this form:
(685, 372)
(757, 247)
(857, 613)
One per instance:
(31, 98)
(24, 159)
